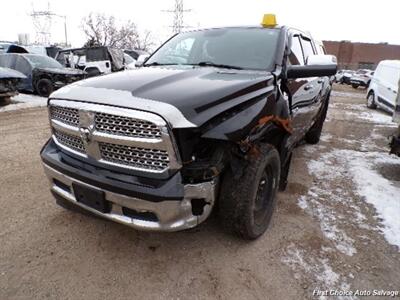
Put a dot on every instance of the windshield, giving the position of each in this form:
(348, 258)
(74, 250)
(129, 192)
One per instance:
(42, 61)
(243, 48)
(128, 59)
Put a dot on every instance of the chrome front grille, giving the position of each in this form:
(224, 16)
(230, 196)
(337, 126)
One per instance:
(117, 137)
(125, 126)
(70, 141)
(66, 115)
(134, 156)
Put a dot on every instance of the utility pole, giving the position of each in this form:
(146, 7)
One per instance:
(42, 21)
(178, 13)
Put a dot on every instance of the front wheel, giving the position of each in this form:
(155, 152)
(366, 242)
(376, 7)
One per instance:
(44, 87)
(371, 101)
(246, 204)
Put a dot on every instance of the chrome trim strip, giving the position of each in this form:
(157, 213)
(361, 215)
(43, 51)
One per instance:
(75, 92)
(172, 215)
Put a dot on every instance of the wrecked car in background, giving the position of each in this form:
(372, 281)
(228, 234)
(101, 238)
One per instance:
(209, 121)
(43, 74)
(9, 80)
(94, 60)
(361, 78)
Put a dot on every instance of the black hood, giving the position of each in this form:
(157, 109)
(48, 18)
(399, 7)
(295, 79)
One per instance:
(199, 93)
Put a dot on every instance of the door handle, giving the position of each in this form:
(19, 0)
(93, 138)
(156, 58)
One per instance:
(308, 87)
(320, 81)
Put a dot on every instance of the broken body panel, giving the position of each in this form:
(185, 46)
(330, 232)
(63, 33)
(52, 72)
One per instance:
(215, 116)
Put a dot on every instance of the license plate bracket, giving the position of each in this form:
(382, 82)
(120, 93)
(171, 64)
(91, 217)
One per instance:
(91, 197)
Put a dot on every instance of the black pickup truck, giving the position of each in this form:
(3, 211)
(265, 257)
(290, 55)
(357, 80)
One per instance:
(209, 121)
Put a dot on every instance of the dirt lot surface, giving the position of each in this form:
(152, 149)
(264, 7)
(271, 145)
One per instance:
(330, 230)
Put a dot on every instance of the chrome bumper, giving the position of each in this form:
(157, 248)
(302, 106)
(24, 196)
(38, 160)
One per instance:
(172, 215)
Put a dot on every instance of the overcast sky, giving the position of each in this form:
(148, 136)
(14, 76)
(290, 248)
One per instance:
(356, 20)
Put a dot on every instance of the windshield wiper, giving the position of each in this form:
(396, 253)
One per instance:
(211, 64)
(158, 64)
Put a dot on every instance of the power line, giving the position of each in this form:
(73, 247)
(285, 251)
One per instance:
(178, 15)
(42, 21)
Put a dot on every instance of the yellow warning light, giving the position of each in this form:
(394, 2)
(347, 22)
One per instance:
(269, 20)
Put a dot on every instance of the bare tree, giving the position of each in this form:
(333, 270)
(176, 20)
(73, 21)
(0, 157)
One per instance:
(102, 30)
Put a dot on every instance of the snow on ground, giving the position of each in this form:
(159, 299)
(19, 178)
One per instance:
(24, 101)
(377, 190)
(360, 168)
(316, 267)
(347, 94)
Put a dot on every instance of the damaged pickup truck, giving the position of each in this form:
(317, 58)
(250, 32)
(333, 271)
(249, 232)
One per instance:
(209, 122)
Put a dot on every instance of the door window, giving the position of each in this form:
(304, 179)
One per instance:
(296, 53)
(307, 48)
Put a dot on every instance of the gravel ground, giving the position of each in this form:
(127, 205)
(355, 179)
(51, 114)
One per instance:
(336, 227)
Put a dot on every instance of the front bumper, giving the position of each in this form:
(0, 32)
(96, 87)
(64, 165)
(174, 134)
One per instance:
(359, 82)
(163, 214)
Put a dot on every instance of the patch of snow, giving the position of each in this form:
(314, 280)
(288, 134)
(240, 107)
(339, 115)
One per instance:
(377, 190)
(359, 168)
(315, 267)
(348, 94)
(22, 101)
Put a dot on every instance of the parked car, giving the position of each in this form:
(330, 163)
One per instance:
(395, 140)
(135, 53)
(212, 117)
(4, 46)
(9, 79)
(34, 49)
(43, 74)
(383, 89)
(95, 60)
(361, 78)
(345, 77)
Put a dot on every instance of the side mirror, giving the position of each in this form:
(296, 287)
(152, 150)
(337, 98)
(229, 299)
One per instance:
(141, 60)
(316, 66)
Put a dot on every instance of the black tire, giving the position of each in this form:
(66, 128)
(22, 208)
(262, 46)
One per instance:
(314, 133)
(5, 101)
(92, 72)
(44, 87)
(257, 186)
(355, 86)
(371, 100)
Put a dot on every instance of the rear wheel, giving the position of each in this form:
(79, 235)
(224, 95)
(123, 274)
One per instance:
(247, 203)
(44, 87)
(371, 100)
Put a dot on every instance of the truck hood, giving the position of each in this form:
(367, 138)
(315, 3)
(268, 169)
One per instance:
(63, 71)
(185, 96)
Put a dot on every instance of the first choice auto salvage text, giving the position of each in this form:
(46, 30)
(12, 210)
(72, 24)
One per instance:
(356, 293)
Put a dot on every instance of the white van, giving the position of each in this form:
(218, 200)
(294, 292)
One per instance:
(383, 89)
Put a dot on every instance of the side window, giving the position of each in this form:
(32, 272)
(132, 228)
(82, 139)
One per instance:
(296, 53)
(307, 48)
(22, 65)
